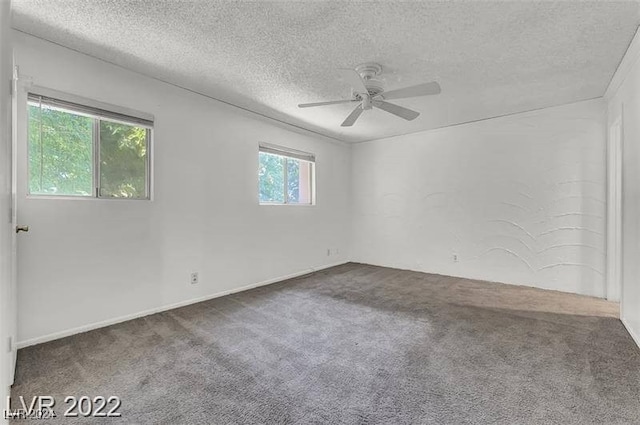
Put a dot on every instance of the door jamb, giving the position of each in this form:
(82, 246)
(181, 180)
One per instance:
(615, 142)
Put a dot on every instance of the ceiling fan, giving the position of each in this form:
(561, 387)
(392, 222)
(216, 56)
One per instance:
(368, 92)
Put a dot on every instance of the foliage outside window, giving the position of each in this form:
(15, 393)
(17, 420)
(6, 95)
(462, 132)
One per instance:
(285, 177)
(75, 153)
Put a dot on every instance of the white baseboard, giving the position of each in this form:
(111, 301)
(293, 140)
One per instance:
(450, 273)
(633, 334)
(108, 322)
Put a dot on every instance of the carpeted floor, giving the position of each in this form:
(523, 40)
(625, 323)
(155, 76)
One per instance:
(355, 344)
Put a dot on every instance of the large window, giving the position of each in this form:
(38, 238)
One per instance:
(76, 150)
(285, 176)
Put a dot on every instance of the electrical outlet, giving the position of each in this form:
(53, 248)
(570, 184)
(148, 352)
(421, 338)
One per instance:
(328, 252)
(455, 258)
(194, 278)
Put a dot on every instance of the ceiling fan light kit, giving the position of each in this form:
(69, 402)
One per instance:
(368, 90)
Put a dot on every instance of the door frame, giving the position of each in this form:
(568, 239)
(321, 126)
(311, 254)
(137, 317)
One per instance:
(615, 143)
(13, 286)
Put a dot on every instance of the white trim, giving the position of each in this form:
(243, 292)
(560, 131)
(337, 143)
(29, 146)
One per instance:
(631, 56)
(481, 277)
(634, 335)
(614, 209)
(108, 322)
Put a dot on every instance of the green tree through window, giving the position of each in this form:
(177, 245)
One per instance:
(123, 160)
(271, 178)
(62, 157)
(60, 152)
(284, 180)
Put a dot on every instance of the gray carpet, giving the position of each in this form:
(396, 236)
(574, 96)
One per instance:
(355, 344)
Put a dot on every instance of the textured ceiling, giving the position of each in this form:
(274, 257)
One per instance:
(491, 58)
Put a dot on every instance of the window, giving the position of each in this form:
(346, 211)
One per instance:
(285, 176)
(76, 150)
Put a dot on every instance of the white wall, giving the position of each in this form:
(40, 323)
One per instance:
(7, 310)
(87, 261)
(624, 103)
(519, 199)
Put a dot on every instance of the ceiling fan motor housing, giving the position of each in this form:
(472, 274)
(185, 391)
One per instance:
(374, 86)
(370, 73)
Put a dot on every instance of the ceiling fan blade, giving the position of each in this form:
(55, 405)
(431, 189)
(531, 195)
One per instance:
(353, 78)
(333, 102)
(353, 116)
(425, 89)
(399, 111)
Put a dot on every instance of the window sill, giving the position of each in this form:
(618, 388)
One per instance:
(81, 198)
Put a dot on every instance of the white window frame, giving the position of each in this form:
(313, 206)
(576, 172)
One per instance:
(293, 154)
(98, 111)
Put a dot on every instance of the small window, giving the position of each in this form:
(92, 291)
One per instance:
(76, 150)
(285, 176)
